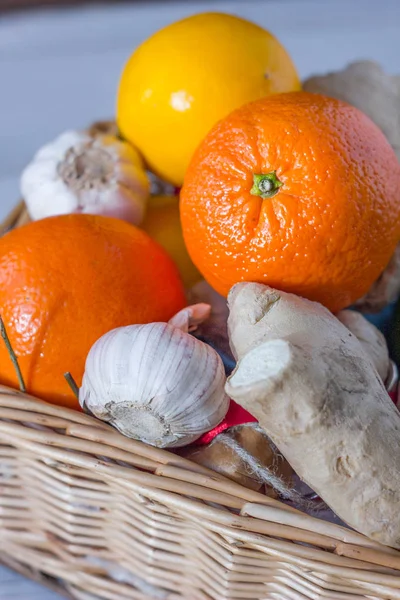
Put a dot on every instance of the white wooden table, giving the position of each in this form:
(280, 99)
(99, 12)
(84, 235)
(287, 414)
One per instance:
(59, 69)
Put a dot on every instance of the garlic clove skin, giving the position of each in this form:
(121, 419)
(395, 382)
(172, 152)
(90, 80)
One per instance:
(59, 147)
(188, 319)
(81, 173)
(109, 127)
(155, 383)
(214, 329)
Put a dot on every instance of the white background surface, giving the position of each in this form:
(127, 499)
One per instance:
(59, 70)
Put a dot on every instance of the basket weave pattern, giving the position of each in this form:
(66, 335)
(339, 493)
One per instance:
(98, 516)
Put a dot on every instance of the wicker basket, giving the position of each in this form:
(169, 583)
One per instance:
(98, 516)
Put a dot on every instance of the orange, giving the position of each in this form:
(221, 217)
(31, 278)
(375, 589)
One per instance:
(162, 223)
(67, 280)
(298, 191)
(187, 76)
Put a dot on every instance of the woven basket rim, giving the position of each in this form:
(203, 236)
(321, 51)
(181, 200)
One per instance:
(77, 439)
(74, 441)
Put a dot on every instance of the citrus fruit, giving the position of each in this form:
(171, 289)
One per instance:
(67, 280)
(298, 191)
(162, 223)
(190, 74)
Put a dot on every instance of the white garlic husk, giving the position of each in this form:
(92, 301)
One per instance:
(155, 383)
(82, 173)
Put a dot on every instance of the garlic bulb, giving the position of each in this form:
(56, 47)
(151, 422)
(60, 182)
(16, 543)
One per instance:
(87, 174)
(103, 128)
(155, 382)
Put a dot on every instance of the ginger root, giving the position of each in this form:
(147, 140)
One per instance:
(371, 339)
(316, 393)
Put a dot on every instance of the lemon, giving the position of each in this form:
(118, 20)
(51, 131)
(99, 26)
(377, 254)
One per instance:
(190, 74)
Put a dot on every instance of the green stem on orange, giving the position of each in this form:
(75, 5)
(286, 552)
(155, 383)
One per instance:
(72, 384)
(13, 356)
(265, 185)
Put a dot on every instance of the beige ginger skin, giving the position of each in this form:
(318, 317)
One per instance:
(370, 338)
(316, 392)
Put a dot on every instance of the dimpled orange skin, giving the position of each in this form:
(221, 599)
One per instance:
(67, 280)
(330, 229)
